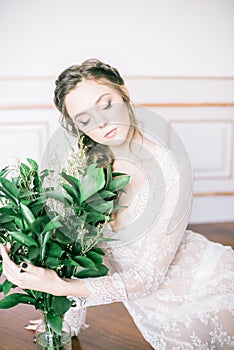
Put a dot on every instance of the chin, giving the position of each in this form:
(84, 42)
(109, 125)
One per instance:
(114, 142)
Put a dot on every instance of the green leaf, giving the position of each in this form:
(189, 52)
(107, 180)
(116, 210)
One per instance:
(62, 197)
(72, 181)
(6, 218)
(45, 239)
(52, 263)
(10, 187)
(62, 238)
(9, 226)
(8, 196)
(7, 211)
(38, 225)
(72, 192)
(100, 270)
(102, 207)
(54, 250)
(33, 163)
(77, 249)
(95, 257)
(98, 250)
(94, 216)
(108, 174)
(69, 262)
(19, 223)
(39, 304)
(4, 171)
(37, 202)
(106, 194)
(83, 261)
(103, 194)
(61, 304)
(92, 182)
(54, 322)
(117, 173)
(33, 252)
(37, 182)
(6, 286)
(26, 212)
(118, 183)
(14, 299)
(44, 173)
(52, 224)
(24, 170)
(26, 194)
(23, 238)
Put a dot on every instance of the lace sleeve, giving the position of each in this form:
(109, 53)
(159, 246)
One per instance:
(138, 266)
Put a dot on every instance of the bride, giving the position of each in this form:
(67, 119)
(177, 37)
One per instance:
(177, 285)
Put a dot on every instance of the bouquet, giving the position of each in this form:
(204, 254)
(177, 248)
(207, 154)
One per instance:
(58, 228)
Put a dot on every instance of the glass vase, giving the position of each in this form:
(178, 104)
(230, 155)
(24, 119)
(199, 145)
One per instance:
(47, 339)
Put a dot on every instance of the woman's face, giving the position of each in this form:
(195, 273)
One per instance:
(99, 112)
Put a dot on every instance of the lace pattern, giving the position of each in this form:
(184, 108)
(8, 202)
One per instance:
(76, 317)
(177, 285)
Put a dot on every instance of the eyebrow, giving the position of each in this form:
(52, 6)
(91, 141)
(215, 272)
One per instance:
(97, 101)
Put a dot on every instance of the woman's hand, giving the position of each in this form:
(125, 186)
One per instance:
(28, 276)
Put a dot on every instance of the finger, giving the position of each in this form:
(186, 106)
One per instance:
(10, 269)
(37, 321)
(31, 327)
(8, 247)
(2, 249)
(4, 253)
(27, 267)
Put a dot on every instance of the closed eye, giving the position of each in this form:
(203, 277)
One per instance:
(109, 105)
(84, 123)
(83, 120)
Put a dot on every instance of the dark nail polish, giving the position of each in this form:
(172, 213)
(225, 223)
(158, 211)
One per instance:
(24, 265)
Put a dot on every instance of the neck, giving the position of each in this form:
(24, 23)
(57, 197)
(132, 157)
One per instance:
(130, 147)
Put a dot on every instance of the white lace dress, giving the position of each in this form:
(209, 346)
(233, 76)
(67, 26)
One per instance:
(177, 286)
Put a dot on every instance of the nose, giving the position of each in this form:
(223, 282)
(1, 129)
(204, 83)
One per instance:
(100, 120)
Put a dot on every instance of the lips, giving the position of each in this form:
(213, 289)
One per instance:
(111, 133)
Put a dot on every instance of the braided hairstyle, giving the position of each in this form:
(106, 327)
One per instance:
(91, 69)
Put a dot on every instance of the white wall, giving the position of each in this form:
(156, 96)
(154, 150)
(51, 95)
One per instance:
(140, 37)
(177, 57)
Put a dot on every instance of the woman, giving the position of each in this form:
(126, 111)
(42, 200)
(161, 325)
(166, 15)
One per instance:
(177, 285)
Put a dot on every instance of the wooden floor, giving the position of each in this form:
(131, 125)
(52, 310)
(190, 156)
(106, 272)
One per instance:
(110, 326)
(217, 232)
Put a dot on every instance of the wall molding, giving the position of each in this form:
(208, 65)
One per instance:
(151, 77)
(188, 104)
(46, 125)
(213, 194)
(27, 106)
(231, 165)
(172, 105)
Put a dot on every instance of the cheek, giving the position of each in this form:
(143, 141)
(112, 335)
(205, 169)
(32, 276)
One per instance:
(122, 114)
